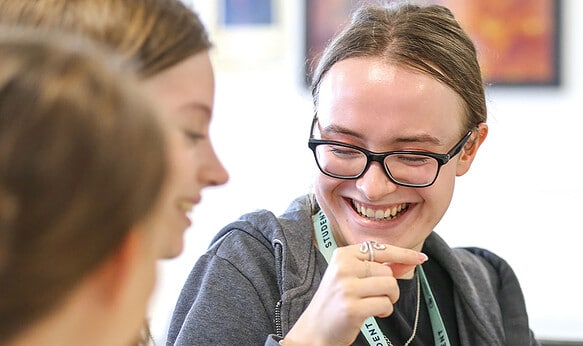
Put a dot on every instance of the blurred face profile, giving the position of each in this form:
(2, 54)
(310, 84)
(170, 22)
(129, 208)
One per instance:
(184, 95)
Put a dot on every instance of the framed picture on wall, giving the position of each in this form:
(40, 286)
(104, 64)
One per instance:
(246, 12)
(254, 27)
(518, 41)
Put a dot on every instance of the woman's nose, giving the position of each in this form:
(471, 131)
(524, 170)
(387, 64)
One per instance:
(374, 184)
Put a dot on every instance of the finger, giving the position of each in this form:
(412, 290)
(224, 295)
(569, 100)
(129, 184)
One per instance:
(367, 270)
(384, 269)
(377, 286)
(385, 253)
(376, 269)
(399, 270)
(380, 306)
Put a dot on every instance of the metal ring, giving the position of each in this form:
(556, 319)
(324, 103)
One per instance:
(369, 246)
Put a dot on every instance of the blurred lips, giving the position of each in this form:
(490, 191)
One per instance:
(185, 206)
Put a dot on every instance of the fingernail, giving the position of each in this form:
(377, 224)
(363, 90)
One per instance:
(422, 257)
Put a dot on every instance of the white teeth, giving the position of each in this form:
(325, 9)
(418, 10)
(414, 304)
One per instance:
(394, 211)
(379, 214)
(185, 206)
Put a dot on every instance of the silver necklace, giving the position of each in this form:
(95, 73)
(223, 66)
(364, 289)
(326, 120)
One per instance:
(408, 342)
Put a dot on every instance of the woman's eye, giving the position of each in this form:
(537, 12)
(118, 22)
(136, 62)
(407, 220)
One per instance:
(345, 152)
(414, 159)
(193, 136)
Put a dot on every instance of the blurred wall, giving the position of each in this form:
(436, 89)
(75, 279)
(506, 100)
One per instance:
(521, 199)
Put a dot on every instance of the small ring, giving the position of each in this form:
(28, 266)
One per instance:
(369, 246)
(367, 269)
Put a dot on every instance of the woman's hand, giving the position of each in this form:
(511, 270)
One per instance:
(352, 289)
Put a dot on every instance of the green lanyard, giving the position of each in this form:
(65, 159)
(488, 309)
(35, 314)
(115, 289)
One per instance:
(370, 328)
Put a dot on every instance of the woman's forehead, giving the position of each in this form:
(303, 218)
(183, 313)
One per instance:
(368, 93)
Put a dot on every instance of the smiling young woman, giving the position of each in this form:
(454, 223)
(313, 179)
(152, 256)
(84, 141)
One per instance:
(170, 46)
(400, 112)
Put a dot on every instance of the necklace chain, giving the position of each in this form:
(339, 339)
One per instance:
(408, 342)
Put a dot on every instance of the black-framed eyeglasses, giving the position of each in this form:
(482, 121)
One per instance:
(405, 167)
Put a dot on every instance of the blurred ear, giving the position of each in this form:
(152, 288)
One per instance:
(117, 292)
(471, 149)
(113, 275)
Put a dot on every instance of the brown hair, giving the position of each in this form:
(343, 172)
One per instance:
(156, 33)
(82, 160)
(427, 39)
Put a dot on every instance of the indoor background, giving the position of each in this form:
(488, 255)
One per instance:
(522, 199)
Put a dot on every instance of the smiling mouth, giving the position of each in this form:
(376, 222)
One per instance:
(185, 206)
(380, 214)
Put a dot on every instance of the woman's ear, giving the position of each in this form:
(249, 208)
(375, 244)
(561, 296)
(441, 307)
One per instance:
(118, 290)
(471, 149)
(113, 274)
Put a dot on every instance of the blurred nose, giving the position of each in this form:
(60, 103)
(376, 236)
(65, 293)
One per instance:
(215, 173)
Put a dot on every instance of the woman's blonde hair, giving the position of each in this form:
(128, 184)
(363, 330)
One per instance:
(156, 33)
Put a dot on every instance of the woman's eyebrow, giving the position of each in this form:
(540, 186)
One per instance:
(422, 138)
(419, 139)
(196, 106)
(337, 129)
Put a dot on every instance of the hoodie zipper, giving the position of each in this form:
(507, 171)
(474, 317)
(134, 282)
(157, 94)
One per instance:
(278, 254)
(278, 330)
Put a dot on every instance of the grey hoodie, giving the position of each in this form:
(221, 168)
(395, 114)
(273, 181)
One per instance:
(260, 273)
